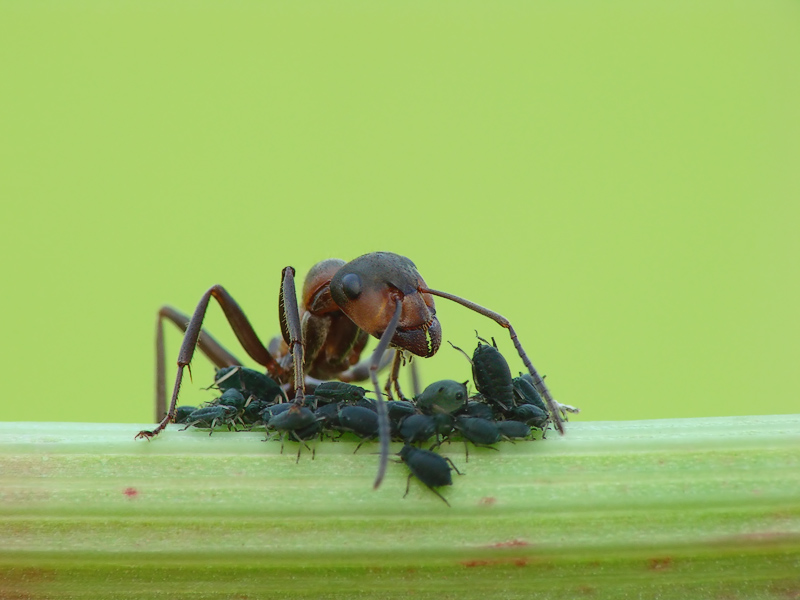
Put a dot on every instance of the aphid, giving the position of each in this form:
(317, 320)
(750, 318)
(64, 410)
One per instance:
(183, 412)
(481, 432)
(359, 420)
(446, 396)
(233, 397)
(532, 415)
(526, 393)
(478, 409)
(328, 416)
(380, 294)
(250, 383)
(417, 428)
(339, 391)
(430, 468)
(211, 416)
(290, 421)
(513, 430)
(491, 374)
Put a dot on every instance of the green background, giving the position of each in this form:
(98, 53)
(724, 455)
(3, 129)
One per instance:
(618, 179)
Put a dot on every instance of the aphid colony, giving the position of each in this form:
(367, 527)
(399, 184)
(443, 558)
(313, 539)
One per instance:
(504, 408)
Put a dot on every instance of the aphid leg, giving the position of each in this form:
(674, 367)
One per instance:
(301, 443)
(206, 342)
(438, 494)
(452, 464)
(241, 327)
(361, 443)
(384, 429)
(291, 330)
(552, 405)
(408, 484)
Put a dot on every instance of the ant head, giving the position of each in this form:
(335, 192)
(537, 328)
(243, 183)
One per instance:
(366, 290)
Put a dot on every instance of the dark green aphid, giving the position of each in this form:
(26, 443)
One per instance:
(328, 415)
(273, 410)
(183, 412)
(211, 416)
(295, 418)
(478, 409)
(445, 396)
(492, 375)
(249, 383)
(339, 391)
(444, 424)
(525, 392)
(532, 415)
(232, 397)
(481, 432)
(417, 428)
(399, 409)
(359, 420)
(253, 411)
(430, 468)
(513, 430)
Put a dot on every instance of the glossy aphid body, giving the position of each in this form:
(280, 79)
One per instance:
(211, 417)
(292, 422)
(430, 468)
(342, 304)
(445, 396)
(417, 428)
(491, 374)
(513, 430)
(481, 432)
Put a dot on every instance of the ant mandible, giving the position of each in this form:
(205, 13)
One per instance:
(380, 294)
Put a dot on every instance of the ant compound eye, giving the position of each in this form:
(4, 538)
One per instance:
(351, 284)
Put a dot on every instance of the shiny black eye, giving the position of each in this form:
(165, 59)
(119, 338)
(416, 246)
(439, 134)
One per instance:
(351, 284)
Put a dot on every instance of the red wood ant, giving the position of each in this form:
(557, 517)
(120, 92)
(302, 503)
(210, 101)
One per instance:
(380, 294)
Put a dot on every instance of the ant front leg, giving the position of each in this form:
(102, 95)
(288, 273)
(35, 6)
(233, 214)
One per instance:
(556, 408)
(384, 429)
(241, 327)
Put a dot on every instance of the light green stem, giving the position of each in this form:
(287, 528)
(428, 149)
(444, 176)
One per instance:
(685, 508)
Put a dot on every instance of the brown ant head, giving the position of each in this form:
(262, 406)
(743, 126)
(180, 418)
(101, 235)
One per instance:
(366, 290)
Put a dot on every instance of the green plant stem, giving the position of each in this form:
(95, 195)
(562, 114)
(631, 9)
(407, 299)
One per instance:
(668, 508)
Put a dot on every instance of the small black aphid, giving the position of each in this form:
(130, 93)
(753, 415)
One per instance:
(417, 428)
(250, 383)
(513, 430)
(481, 432)
(290, 421)
(525, 392)
(532, 415)
(232, 397)
(182, 413)
(211, 416)
(339, 391)
(430, 468)
(359, 420)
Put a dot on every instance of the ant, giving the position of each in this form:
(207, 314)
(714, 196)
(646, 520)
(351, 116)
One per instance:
(379, 294)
